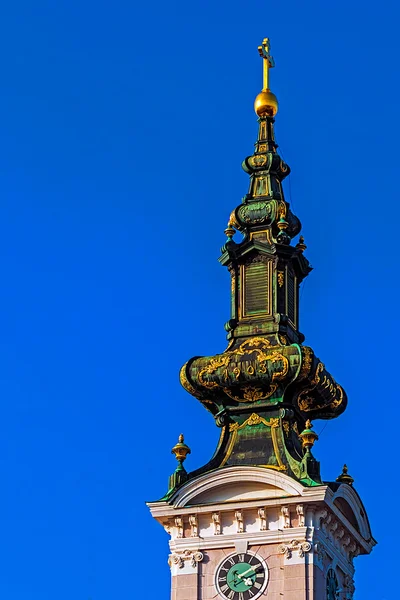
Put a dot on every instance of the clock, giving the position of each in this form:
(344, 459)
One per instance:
(241, 576)
(332, 585)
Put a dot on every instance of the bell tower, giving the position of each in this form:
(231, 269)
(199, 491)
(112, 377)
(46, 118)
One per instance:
(258, 521)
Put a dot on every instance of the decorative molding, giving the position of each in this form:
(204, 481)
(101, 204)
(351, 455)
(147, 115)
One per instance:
(295, 545)
(334, 527)
(179, 526)
(285, 512)
(262, 515)
(320, 552)
(348, 584)
(346, 541)
(194, 525)
(239, 521)
(188, 492)
(259, 258)
(216, 519)
(300, 514)
(167, 526)
(331, 554)
(228, 540)
(179, 559)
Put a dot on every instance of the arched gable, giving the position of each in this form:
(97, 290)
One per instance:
(236, 483)
(348, 502)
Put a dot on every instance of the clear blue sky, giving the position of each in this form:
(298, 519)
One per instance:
(123, 127)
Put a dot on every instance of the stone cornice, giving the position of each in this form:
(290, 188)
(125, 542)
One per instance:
(164, 509)
(279, 536)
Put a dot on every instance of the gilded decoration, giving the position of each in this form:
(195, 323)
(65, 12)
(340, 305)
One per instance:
(253, 420)
(252, 394)
(257, 161)
(284, 167)
(282, 210)
(325, 386)
(234, 370)
(255, 212)
(185, 382)
(257, 376)
(232, 220)
(307, 355)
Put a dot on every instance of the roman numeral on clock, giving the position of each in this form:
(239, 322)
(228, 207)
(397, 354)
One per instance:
(241, 557)
(224, 588)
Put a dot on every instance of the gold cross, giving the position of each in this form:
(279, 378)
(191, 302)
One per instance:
(268, 61)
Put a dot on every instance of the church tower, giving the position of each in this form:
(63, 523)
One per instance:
(257, 521)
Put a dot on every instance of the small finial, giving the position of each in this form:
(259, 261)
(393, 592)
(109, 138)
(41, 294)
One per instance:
(181, 450)
(344, 477)
(301, 245)
(266, 103)
(283, 237)
(229, 232)
(282, 223)
(308, 436)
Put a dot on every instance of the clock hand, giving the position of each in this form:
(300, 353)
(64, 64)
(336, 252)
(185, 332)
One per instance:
(240, 575)
(248, 581)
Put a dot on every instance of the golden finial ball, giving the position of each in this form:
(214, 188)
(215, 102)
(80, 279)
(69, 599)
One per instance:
(266, 104)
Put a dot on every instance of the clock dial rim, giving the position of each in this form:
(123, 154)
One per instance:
(258, 593)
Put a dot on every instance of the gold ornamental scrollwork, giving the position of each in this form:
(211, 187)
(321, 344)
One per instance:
(248, 393)
(258, 161)
(185, 382)
(307, 402)
(252, 420)
(307, 359)
(282, 210)
(213, 365)
(281, 278)
(252, 394)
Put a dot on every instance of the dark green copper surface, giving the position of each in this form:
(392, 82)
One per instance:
(266, 384)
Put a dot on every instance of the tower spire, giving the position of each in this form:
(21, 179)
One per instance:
(268, 62)
(265, 378)
(266, 102)
(259, 505)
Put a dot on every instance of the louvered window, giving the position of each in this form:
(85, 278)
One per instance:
(291, 301)
(256, 289)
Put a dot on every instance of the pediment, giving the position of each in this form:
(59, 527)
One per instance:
(245, 490)
(233, 484)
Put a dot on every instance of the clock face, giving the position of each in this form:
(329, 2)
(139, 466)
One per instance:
(241, 576)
